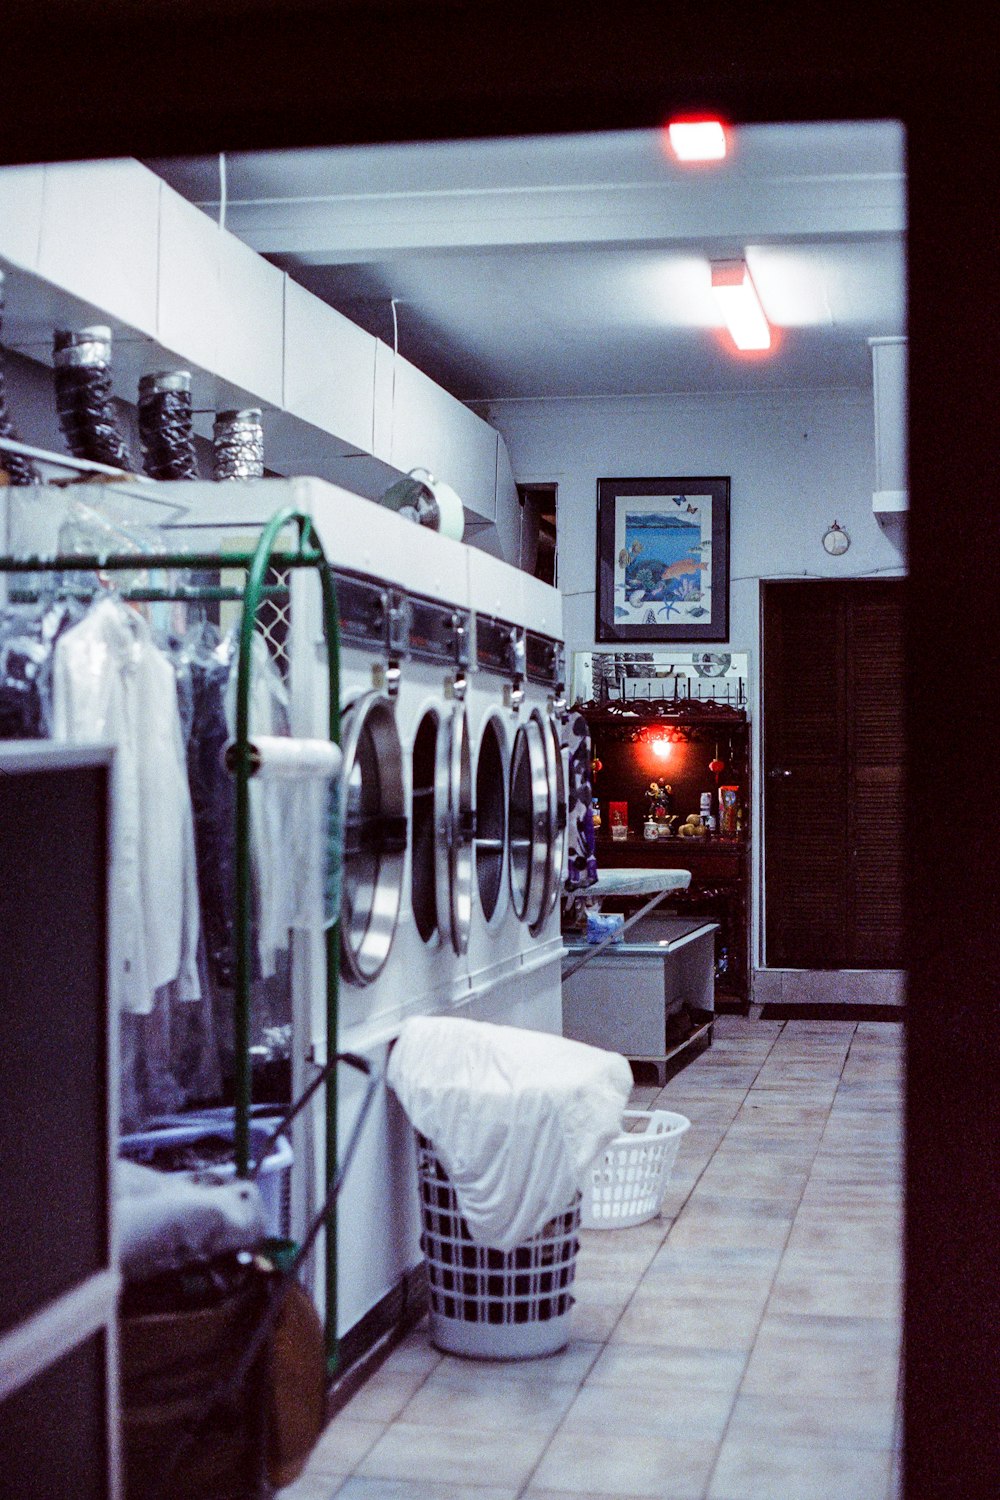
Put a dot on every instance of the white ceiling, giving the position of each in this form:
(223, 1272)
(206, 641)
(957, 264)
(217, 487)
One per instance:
(579, 265)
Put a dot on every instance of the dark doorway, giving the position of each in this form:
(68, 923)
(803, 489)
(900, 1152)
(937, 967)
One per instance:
(537, 548)
(832, 713)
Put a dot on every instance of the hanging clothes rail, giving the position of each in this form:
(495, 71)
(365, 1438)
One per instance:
(309, 553)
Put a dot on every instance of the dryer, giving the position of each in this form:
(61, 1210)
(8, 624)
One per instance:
(515, 953)
(406, 903)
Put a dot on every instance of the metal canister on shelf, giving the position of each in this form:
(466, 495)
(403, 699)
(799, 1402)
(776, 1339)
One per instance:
(238, 444)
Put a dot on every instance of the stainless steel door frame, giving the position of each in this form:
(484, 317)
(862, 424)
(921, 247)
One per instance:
(375, 833)
(454, 830)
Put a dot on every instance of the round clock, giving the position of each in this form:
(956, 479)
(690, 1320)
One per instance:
(836, 541)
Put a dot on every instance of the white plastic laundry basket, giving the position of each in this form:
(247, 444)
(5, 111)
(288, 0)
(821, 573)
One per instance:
(488, 1303)
(627, 1182)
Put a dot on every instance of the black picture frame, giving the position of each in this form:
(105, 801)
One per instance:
(684, 502)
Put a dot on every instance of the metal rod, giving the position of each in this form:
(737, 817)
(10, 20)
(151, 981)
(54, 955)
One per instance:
(65, 461)
(196, 593)
(118, 562)
(615, 937)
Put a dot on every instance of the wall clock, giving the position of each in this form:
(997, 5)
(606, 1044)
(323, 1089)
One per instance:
(836, 541)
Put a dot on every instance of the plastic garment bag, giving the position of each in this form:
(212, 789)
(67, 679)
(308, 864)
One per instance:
(582, 860)
(112, 684)
(28, 634)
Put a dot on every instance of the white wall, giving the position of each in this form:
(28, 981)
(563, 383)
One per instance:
(797, 461)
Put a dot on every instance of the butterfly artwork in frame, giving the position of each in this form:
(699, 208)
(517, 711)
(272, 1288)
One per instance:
(663, 559)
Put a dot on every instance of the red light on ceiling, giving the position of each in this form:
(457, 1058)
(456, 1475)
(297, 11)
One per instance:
(661, 747)
(697, 139)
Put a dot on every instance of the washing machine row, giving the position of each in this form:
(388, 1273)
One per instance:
(455, 793)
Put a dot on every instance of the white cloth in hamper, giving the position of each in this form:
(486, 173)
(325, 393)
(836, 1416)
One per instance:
(166, 1220)
(515, 1116)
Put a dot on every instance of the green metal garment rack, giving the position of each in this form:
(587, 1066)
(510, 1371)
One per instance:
(309, 553)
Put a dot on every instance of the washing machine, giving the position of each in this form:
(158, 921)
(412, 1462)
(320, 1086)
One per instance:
(515, 948)
(495, 691)
(408, 811)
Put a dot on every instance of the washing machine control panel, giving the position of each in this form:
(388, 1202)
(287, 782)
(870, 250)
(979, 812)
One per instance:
(438, 632)
(545, 660)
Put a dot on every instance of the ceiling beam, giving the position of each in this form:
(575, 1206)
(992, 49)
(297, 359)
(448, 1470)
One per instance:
(355, 229)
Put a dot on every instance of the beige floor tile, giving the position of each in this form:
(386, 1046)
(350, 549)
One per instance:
(743, 1223)
(762, 1471)
(678, 1412)
(596, 1323)
(788, 1417)
(312, 1487)
(358, 1488)
(831, 1295)
(416, 1353)
(716, 1270)
(848, 1358)
(694, 1323)
(649, 1370)
(456, 1456)
(616, 1464)
(342, 1444)
(384, 1394)
(471, 1400)
(749, 1175)
(568, 1367)
(533, 1493)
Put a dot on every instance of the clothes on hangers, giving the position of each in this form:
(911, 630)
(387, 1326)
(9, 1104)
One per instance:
(581, 856)
(28, 633)
(112, 684)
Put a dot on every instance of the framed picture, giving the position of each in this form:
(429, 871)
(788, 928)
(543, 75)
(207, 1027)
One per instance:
(662, 559)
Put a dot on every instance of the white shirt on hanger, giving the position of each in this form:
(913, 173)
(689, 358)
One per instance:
(112, 684)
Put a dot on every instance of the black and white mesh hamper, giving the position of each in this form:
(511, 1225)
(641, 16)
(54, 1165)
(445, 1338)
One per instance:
(488, 1303)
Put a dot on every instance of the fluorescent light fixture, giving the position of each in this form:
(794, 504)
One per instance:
(739, 304)
(697, 140)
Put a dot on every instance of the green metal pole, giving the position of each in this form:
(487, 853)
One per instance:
(262, 559)
(241, 1001)
(331, 629)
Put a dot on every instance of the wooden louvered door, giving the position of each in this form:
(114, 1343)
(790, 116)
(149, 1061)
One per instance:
(832, 714)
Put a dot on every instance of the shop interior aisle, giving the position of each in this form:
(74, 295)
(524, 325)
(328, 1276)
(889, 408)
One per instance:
(745, 1346)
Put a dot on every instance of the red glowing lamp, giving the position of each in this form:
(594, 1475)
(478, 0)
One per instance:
(697, 138)
(661, 747)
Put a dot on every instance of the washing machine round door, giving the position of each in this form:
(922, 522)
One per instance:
(455, 830)
(529, 822)
(556, 820)
(491, 814)
(375, 826)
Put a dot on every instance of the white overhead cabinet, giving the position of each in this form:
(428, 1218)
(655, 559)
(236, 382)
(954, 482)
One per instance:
(108, 242)
(190, 242)
(100, 238)
(251, 323)
(419, 425)
(329, 369)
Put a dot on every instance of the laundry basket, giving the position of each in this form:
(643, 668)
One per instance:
(273, 1179)
(488, 1303)
(627, 1182)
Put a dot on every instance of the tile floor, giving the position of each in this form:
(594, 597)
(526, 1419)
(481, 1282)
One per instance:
(744, 1346)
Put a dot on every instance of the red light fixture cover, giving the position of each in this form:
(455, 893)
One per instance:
(697, 139)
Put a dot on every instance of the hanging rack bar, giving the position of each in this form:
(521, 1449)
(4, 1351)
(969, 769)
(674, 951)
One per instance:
(132, 562)
(74, 465)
